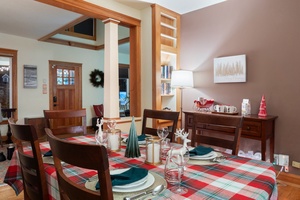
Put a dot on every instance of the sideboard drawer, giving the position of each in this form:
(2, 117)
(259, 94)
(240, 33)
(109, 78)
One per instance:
(251, 128)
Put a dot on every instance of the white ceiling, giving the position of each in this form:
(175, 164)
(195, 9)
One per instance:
(31, 19)
(179, 6)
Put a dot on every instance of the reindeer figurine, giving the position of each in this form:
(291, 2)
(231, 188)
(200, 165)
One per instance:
(99, 132)
(183, 135)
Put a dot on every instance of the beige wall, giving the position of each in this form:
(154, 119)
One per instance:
(268, 32)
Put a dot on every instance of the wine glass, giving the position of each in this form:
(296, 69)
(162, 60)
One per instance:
(165, 147)
(111, 124)
(174, 168)
(162, 132)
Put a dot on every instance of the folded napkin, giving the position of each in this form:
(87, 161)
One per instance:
(200, 151)
(130, 176)
(48, 153)
(142, 137)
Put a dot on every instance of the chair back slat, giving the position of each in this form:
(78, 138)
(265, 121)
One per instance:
(64, 123)
(32, 168)
(165, 116)
(85, 156)
(218, 130)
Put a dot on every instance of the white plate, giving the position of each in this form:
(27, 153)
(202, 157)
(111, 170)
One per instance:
(135, 184)
(208, 156)
(150, 180)
(148, 183)
(139, 142)
(48, 160)
(205, 155)
(142, 142)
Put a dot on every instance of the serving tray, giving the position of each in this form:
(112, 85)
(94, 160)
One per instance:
(223, 113)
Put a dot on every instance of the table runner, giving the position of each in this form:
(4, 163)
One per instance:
(235, 178)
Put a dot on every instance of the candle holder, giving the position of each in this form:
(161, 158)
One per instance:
(153, 148)
(114, 140)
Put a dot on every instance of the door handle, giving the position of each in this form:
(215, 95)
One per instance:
(54, 99)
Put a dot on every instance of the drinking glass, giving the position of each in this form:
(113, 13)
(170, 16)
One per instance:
(174, 168)
(111, 124)
(162, 132)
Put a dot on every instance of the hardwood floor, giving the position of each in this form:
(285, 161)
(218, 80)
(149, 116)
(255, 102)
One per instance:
(7, 193)
(288, 192)
(288, 186)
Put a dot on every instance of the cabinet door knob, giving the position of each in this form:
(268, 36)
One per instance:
(248, 128)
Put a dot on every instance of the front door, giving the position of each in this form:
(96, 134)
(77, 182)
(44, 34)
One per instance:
(65, 85)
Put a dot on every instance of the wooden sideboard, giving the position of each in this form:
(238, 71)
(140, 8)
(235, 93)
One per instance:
(254, 127)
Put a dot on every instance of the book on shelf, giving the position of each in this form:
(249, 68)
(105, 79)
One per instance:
(166, 71)
(166, 88)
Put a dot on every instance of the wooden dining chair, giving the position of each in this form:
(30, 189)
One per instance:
(85, 156)
(32, 168)
(217, 130)
(65, 123)
(163, 116)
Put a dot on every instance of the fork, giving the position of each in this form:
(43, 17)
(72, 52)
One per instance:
(219, 159)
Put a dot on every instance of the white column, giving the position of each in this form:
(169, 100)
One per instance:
(111, 69)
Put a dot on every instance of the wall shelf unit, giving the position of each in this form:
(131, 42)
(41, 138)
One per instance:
(165, 58)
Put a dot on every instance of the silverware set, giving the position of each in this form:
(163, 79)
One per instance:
(157, 190)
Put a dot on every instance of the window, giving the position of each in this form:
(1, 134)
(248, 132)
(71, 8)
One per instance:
(85, 29)
(8, 81)
(65, 77)
(124, 97)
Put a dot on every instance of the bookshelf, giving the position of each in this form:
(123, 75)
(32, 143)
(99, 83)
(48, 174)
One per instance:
(165, 59)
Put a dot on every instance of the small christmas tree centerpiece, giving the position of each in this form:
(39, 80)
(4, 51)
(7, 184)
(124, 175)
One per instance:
(132, 148)
(262, 107)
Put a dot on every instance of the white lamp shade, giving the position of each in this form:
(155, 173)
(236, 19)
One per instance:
(182, 79)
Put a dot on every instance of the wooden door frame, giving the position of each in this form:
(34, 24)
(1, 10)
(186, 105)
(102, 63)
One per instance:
(53, 62)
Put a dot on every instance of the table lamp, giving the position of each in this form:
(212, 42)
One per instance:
(182, 79)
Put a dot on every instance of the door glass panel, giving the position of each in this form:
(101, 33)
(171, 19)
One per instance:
(59, 81)
(59, 72)
(66, 81)
(72, 73)
(66, 73)
(72, 81)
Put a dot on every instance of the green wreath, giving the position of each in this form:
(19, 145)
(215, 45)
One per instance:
(97, 78)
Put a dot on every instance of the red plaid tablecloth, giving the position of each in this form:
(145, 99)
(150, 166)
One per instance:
(235, 178)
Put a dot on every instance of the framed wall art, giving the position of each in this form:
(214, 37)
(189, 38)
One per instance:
(30, 76)
(230, 69)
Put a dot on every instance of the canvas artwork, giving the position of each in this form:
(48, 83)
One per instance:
(230, 69)
(30, 76)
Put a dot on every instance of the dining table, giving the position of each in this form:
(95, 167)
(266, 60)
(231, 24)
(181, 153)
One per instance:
(233, 178)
